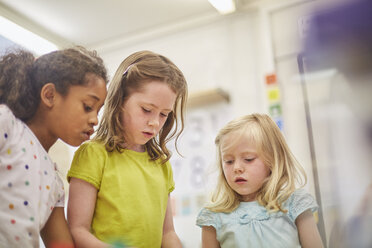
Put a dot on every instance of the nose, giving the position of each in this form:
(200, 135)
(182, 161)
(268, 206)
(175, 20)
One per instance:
(153, 121)
(238, 168)
(93, 119)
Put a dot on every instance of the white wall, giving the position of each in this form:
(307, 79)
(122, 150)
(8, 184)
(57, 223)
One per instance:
(214, 52)
(232, 52)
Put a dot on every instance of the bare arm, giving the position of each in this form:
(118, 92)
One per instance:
(56, 230)
(308, 231)
(81, 203)
(209, 237)
(170, 238)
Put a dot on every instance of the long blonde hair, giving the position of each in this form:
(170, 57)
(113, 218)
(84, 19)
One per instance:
(132, 74)
(273, 150)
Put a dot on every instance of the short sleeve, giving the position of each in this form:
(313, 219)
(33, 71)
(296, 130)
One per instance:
(299, 202)
(207, 218)
(170, 182)
(88, 163)
(60, 201)
(7, 120)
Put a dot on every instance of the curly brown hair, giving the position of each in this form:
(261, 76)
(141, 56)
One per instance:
(22, 76)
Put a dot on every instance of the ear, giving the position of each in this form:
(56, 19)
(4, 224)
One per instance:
(48, 94)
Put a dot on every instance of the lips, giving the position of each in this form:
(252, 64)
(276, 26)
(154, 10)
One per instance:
(90, 132)
(148, 134)
(240, 180)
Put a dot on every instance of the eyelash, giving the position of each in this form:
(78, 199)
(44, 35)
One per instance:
(246, 159)
(87, 108)
(148, 111)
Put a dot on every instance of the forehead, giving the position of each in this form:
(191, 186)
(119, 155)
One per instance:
(94, 88)
(154, 85)
(155, 92)
(237, 141)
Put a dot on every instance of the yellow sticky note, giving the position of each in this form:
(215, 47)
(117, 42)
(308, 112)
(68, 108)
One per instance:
(273, 94)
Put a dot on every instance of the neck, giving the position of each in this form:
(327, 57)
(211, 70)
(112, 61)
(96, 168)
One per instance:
(37, 126)
(136, 148)
(249, 198)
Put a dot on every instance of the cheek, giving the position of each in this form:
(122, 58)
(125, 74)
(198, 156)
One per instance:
(262, 173)
(122, 118)
(74, 118)
(127, 117)
(227, 172)
(162, 122)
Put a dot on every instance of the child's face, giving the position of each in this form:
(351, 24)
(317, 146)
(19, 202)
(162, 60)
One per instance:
(75, 114)
(145, 112)
(244, 170)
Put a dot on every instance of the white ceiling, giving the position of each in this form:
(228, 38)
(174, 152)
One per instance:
(93, 22)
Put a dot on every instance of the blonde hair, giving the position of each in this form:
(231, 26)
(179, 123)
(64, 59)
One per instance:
(273, 150)
(133, 73)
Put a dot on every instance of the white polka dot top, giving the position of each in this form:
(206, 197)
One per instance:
(29, 185)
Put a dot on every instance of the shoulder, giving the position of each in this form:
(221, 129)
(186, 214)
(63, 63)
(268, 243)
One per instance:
(4, 109)
(90, 152)
(88, 163)
(299, 202)
(6, 115)
(92, 145)
(207, 217)
(91, 148)
(300, 195)
(11, 128)
(167, 165)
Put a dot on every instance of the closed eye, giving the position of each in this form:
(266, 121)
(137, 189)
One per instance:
(228, 161)
(249, 159)
(146, 110)
(87, 108)
(164, 114)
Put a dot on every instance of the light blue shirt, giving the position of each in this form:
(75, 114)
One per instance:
(251, 225)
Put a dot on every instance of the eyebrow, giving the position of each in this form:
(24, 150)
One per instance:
(153, 105)
(245, 153)
(250, 152)
(94, 97)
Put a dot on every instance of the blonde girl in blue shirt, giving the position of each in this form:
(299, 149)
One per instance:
(120, 182)
(55, 96)
(256, 203)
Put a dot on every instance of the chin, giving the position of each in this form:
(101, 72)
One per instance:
(74, 142)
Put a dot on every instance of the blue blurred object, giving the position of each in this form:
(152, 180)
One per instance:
(118, 244)
(341, 36)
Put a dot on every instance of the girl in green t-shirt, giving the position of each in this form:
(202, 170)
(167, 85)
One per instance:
(121, 180)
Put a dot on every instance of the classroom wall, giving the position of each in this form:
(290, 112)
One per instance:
(233, 53)
(215, 53)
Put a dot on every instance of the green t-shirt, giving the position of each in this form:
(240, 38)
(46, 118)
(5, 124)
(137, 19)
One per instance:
(132, 193)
